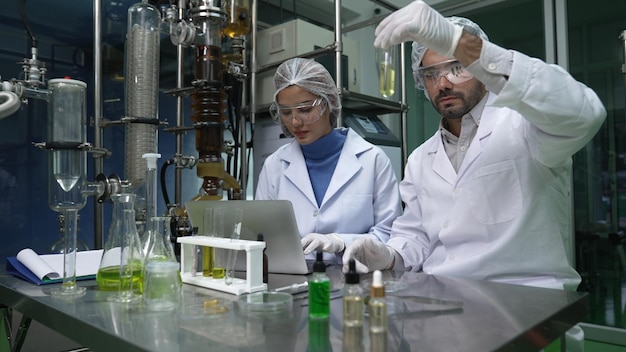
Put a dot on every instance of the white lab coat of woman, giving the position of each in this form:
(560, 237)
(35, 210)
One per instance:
(362, 198)
(505, 216)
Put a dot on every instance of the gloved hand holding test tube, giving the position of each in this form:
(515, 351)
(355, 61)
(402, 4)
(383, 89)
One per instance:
(232, 253)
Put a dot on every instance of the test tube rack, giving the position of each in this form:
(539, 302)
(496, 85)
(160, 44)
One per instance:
(254, 264)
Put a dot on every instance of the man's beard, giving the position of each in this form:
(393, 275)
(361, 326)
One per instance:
(469, 101)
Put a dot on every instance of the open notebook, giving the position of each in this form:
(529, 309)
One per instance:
(275, 219)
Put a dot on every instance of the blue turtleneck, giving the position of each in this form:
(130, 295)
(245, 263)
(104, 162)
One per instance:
(321, 158)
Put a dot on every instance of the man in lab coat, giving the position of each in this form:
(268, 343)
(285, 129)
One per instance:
(341, 186)
(488, 195)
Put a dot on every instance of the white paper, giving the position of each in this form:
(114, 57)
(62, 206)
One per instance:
(51, 265)
(34, 263)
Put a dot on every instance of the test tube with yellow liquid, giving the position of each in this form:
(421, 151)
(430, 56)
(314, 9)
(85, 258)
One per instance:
(213, 227)
(386, 66)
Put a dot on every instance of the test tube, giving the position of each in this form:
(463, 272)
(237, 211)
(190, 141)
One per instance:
(386, 66)
(232, 253)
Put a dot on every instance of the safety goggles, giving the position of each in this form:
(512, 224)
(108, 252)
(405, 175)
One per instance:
(451, 69)
(305, 113)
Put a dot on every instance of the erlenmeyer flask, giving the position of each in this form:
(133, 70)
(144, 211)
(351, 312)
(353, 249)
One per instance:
(122, 252)
(130, 269)
(162, 281)
(158, 244)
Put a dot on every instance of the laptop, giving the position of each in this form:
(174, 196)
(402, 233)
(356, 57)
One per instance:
(275, 219)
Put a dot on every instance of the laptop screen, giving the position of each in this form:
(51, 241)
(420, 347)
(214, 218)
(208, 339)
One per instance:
(275, 219)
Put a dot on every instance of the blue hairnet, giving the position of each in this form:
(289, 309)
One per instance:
(418, 50)
(311, 76)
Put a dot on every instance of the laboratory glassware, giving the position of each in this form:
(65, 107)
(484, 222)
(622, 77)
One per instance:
(232, 253)
(378, 314)
(159, 248)
(238, 14)
(319, 290)
(122, 252)
(59, 245)
(141, 92)
(161, 276)
(213, 226)
(151, 196)
(386, 67)
(319, 335)
(162, 285)
(67, 169)
(130, 268)
(353, 308)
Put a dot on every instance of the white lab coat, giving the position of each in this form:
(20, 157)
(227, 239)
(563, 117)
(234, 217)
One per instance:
(362, 197)
(505, 216)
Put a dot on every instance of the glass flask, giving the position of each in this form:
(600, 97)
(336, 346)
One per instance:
(122, 261)
(238, 18)
(162, 281)
(158, 245)
(58, 247)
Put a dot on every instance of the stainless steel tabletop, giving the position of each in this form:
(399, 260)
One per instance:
(426, 313)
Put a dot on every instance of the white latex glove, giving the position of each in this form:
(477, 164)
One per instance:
(330, 242)
(369, 255)
(421, 23)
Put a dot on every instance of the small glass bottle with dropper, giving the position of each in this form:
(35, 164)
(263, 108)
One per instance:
(352, 310)
(319, 290)
(378, 314)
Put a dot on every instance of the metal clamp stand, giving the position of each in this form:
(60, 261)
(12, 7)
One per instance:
(254, 264)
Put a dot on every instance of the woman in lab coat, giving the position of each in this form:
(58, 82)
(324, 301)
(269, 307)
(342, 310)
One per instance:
(341, 186)
(488, 196)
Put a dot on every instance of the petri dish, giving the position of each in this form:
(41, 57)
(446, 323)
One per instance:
(391, 286)
(206, 307)
(395, 286)
(265, 302)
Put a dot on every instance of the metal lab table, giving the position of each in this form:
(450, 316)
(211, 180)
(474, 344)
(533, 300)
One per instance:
(426, 313)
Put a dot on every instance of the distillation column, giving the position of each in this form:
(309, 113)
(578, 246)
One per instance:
(142, 87)
(210, 103)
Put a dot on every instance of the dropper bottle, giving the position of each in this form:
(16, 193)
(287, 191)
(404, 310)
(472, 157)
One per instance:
(352, 297)
(378, 314)
(352, 310)
(319, 290)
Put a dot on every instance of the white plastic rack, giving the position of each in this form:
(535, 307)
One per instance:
(254, 264)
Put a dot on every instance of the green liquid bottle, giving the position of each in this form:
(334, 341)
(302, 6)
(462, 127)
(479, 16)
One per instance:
(319, 290)
(319, 336)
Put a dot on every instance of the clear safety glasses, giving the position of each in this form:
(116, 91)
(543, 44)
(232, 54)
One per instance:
(452, 70)
(305, 113)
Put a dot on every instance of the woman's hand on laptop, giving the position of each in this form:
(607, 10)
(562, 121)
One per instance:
(330, 242)
(369, 255)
